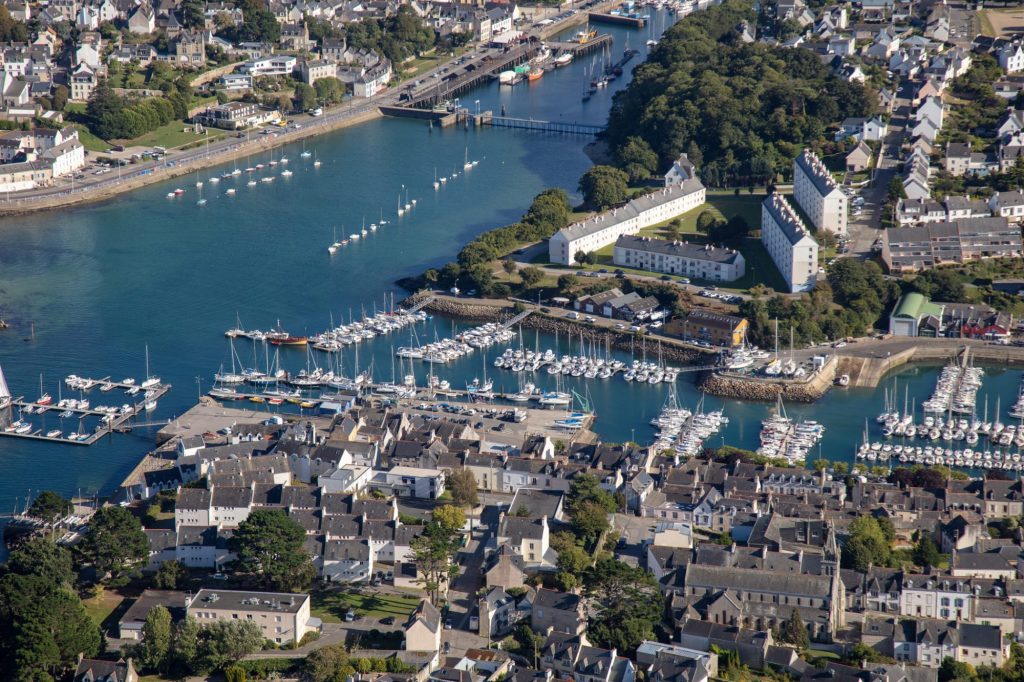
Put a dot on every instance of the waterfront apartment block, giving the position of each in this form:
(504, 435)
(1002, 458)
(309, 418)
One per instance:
(716, 328)
(603, 229)
(791, 246)
(696, 261)
(283, 617)
(818, 195)
(909, 249)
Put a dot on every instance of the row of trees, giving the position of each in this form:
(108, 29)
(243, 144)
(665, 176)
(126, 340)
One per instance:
(111, 116)
(186, 648)
(398, 37)
(741, 111)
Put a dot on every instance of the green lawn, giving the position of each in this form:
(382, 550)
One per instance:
(331, 605)
(90, 141)
(174, 134)
(725, 205)
(102, 606)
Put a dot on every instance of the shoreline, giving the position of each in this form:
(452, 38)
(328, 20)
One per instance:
(259, 144)
(332, 121)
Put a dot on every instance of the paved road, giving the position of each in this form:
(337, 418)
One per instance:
(350, 110)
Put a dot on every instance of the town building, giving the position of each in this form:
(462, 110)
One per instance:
(605, 228)
(712, 327)
(818, 194)
(910, 249)
(282, 617)
(792, 248)
(236, 115)
(695, 261)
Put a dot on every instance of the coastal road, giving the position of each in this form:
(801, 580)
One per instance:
(84, 185)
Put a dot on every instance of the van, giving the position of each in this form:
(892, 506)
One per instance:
(573, 316)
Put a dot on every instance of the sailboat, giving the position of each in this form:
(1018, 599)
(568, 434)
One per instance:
(305, 154)
(466, 164)
(233, 377)
(401, 211)
(5, 393)
(316, 162)
(408, 205)
(201, 201)
(150, 380)
(335, 244)
(363, 231)
(437, 185)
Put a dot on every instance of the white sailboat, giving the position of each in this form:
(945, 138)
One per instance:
(466, 164)
(401, 211)
(316, 162)
(5, 392)
(335, 244)
(150, 380)
(437, 185)
(305, 154)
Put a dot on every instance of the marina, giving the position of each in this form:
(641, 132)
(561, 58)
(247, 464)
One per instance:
(261, 253)
(35, 417)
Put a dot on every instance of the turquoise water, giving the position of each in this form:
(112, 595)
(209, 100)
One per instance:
(102, 282)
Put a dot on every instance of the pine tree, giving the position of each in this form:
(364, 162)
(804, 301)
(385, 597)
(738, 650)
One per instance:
(795, 632)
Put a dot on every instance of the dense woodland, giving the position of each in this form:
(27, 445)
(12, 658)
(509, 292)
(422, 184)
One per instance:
(741, 111)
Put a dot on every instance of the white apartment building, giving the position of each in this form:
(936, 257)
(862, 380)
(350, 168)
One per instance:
(788, 242)
(700, 261)
(930, 597)
(411, 482)
(818, 194)
(603, 229)
(282, 617)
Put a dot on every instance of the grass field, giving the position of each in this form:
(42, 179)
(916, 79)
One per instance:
(90, 141)
(331, 605)
(1001, 22)
(725, 205)
(174, 134)
(102, 606)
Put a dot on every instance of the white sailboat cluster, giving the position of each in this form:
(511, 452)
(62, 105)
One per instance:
(782, 437)
(683, 431)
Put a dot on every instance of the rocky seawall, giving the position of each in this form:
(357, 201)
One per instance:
(768, 390)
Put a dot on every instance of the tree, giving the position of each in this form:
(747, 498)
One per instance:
(114, 542)
(329, 90)
(184, 646)
(531, 275)
(866, 545)
(706, 220)
(11, 30)
(603, 186)
(589, 520)
(954, 671)
(628, 605)
(926, 554)
(228, 641)
(450, 518)
(305, 97)
(566, 282)
(462, 485)
(432, 553)
(584, 258)
(508, 265)
(896, 191)
(269, 544)
(637, 159)
(572, 559)
(44, 559)
(795, 631)
(49, 508)
(192, 14)
(154, 652)
(168, 575)
(587, 488)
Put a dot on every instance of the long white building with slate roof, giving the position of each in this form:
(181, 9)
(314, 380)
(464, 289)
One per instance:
(603, 229)
(788, 242)
(818, 195)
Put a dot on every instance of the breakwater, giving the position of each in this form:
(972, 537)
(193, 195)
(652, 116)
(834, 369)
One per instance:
(768, 389)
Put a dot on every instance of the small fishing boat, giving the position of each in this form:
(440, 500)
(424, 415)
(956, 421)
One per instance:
(230, 192)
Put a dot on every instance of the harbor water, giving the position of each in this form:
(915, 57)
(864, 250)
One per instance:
(87, 290)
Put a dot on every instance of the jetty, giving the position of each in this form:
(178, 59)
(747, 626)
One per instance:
(109, 418)
(618, 19)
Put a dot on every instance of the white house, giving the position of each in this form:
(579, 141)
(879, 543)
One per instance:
(696, 261)
(373, 79)
(412, 482)
(818, 194)
(791, 246)
(604, 228)
(1011, 57)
